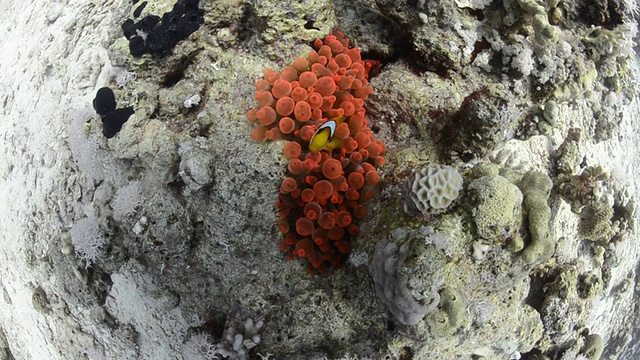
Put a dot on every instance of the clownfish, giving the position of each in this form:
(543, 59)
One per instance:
(323, 137)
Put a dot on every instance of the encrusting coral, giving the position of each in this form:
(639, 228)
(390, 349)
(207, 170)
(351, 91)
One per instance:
(323, 195)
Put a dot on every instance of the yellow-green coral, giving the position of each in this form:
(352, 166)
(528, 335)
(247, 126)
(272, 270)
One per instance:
(497, 213)
(595, 223)
(450, 313)
(536, 187)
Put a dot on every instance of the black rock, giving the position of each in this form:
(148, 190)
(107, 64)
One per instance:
(113, 121)
(105, 101)
(163, 34)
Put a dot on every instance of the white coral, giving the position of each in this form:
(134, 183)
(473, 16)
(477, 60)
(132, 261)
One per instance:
(432, 189)
(126, 200)
(238, 344)
(442, 242)
(87, 240)
(199, 347)
(91, 159)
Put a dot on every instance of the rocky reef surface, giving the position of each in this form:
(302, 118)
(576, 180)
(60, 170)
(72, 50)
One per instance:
(144, 223)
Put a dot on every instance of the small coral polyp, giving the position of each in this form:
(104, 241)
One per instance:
(322, 198)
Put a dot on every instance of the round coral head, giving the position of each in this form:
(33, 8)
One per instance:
(343, 219)
(301, 64)
(288, 185)
(372, 178)
(352, 194)
(323, 190)
(315, 100)
(289, 73)
(319, 236)
(367, 194)
(355, 157)
(307, 195)
(344, 247)
(271, 75)
(343, 60)
(348, 108)
(265, 98)
(325, 86)
(360, 211)
(312, 210)
(299, 94)
(304, 226)
(302, 111)
(316, 259)
(285, 105)
(306, 132)
(251, 115)
(281, 88)
(258, 133)
(333, 66)
(286, 125)
(292, 150)
(295, 166)
(342, 132)
(363, 139)
(283, 246)
(262, 85)
(307, 79)
(283, 226)
(350, 145)
(304, 247)
(266, 115)
(332, 168)
(375, 149)
(337, 233)
(355, 180)
(327, 220)
(340, 183)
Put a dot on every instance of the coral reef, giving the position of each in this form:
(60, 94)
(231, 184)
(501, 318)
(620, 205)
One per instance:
(492, 261)
(322, 197)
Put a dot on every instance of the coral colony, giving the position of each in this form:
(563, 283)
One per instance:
(329, 181)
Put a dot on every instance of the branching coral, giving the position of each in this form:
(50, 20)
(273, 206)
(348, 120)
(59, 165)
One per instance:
(323, 195)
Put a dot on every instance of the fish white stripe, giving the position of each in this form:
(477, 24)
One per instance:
(331, 124)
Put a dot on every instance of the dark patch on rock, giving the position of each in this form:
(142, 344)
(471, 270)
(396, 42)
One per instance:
(112, 119)
(104, 102)
(473, 130)
(138, 10)
(158, 36)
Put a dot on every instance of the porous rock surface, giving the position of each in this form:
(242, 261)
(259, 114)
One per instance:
(196, 256)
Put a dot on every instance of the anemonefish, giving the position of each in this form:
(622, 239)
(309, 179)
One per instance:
(323, 137)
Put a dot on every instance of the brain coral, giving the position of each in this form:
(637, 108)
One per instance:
(432, 189)
(497, 207)
(324, 192)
